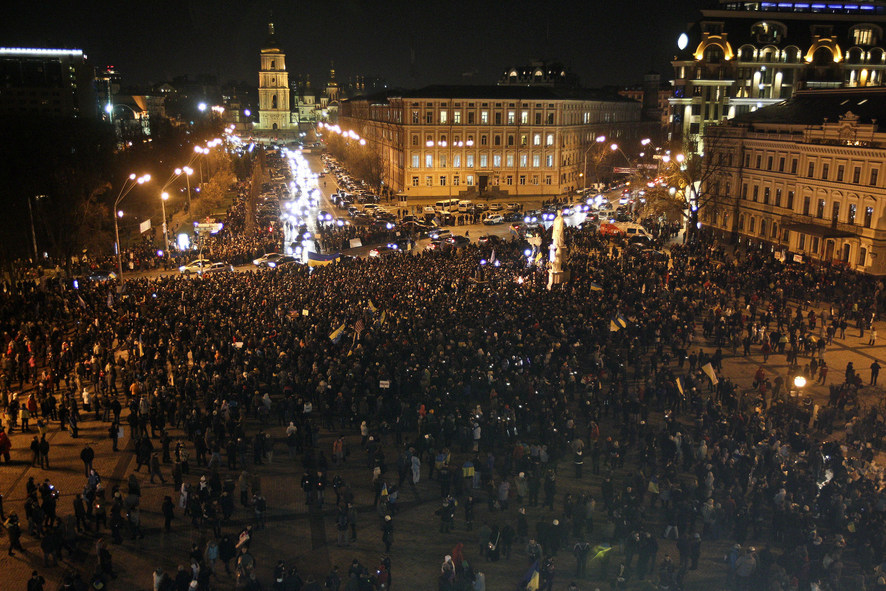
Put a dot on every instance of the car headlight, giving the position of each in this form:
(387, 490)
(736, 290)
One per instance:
(272, 264)
(182, 269)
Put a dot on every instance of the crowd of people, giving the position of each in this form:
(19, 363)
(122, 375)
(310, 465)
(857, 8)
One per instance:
(494, 390)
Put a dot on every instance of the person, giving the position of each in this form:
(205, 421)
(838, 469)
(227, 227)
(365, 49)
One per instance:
(387, 535)
(155, 469)
(875, 372)
(36, 582)
(5, 444)
(168, 510)
(44, 452)
(14, 531)
(113, 434)
(87, 455)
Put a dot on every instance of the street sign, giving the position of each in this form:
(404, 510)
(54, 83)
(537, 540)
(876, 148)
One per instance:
(623, 170)
(384, 384)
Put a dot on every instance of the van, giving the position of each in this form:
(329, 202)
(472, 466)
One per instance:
(428, 210)
(630, 230)
(465, 206)
(446, 205)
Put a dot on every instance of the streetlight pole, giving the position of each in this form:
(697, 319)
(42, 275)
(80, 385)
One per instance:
(163, 197)
(33, 233)
(132, 181)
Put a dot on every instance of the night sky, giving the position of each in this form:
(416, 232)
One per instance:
(603, 42)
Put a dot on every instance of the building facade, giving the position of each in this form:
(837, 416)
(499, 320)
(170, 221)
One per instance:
(46, 82)
(745, 55)
(804, 179)
(460, 141)
(273, 87)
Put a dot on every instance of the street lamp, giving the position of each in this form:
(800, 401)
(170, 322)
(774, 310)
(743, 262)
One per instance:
(131, 181)
(163, 197)
(187, 171)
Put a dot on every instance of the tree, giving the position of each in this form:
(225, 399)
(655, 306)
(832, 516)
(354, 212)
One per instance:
(66, 162)
(685, 184)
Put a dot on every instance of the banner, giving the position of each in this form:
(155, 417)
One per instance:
(708, 369)
(144, 226)
(317, 260)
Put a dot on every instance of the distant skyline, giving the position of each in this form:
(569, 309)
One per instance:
(459, 42)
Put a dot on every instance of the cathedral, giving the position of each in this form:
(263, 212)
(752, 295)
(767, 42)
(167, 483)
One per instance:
(296, 106)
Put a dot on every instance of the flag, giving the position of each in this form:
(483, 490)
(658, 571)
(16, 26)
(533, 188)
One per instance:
(680, 387)
(317, 260)
(144, 226)
(537, 258)
(621, 320)
(613, 327)
(110, 301)
(81, 302)
(530, 579)
(708, 369)
(492, 257)
(372, 307)
(335, 335)
(384, 316)
(596, 286)
(359, 326)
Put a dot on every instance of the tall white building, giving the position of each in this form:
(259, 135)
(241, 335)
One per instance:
(743, 55)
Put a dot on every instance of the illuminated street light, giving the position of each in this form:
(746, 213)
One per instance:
(202, 107)
(800, 382)
(132, 181)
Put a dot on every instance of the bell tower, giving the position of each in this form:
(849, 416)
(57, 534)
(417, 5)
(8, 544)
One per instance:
(273, 86)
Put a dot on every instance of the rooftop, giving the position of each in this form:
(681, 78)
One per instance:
(514, 92)
(814, 107)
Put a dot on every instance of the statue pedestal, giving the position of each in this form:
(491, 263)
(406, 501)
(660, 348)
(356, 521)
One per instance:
(557, 277)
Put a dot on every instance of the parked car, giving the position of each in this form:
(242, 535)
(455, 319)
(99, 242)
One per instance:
(493, 219)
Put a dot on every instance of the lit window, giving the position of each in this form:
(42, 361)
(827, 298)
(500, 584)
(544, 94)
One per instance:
(549, 160)
(509, 160)
(456, 118)
(484, 117)
(484, 160)
(469, 160)
(536, 139)
(416, 160)
(536, 160)
(524, 117)
(549, 141)
(496, 160)
(512, 116)
(429, 160)
(456, 161)
(524, 160)
(444, 117)
(470, 180)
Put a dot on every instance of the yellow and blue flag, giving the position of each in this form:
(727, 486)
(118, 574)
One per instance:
(317, 260)
(335, 335)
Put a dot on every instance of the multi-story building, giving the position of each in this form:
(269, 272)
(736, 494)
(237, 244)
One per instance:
(273, 87)
(744, 55)
(46, 82)
(805, 178)
(516, 140)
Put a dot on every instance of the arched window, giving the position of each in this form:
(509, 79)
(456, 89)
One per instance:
(823, 56)
(274, 102)
(713, 54)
